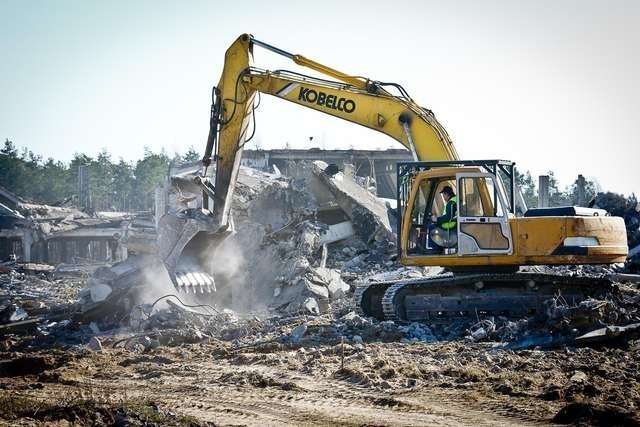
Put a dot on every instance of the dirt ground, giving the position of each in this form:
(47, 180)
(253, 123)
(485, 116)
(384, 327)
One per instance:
(369, 384)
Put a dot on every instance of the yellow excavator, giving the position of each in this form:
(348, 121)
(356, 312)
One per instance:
(485, 250)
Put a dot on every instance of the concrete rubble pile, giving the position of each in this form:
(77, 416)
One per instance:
(300, 242)
(296, 237)
(36, 296)
(296, 251)
(178, 324)
(611, 318)
(112, 292)
(174, 325)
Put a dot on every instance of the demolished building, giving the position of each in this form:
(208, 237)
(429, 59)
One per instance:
(38, 233)
(376, 166)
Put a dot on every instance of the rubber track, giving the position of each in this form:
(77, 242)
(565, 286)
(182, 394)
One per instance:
(364, 291)
(460, 284)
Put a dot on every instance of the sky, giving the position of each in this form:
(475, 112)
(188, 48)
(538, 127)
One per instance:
(551, 85)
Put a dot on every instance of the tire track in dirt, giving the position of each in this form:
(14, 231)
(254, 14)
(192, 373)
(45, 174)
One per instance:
(255, 394)
(345, 399)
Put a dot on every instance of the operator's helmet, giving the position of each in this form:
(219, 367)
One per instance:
(448, 190)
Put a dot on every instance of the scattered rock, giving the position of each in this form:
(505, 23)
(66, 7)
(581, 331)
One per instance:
(578, 377)
(311, 306)
(12, 313)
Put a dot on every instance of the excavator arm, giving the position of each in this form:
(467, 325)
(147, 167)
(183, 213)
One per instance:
(186, 241)
(355, 99)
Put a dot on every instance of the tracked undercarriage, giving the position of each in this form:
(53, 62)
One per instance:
(447, 296)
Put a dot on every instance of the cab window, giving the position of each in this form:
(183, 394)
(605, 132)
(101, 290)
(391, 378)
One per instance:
(478, 198)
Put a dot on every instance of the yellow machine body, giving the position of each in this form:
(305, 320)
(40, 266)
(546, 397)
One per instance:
(529, 241)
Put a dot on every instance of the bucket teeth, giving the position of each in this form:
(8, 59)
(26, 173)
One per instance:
(195, 282)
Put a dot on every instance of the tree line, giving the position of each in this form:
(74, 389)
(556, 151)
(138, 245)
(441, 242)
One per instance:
(113, 185)
(129, 186)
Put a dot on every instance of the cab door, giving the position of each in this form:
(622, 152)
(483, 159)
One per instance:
(483, 218)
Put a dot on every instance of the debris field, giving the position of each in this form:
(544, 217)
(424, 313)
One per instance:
(282, 341)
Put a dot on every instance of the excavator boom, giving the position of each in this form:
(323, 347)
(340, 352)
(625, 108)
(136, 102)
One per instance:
(354, 99)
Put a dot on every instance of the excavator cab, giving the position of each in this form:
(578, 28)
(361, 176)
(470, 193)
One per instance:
(483, 208)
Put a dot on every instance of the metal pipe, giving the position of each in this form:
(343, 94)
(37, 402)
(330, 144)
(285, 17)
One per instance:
(272, 48)
(407, 131)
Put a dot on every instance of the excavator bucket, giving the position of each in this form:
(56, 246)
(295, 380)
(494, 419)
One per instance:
(186, 243)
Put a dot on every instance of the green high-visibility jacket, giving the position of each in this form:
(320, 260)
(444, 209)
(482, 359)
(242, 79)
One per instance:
(449, 218)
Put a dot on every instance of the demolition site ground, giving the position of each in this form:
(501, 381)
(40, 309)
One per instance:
(117, 344)
(256, 380)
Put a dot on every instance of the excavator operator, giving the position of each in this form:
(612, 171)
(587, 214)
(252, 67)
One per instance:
(441, 231)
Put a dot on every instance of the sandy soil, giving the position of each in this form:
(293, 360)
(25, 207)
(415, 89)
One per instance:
(379, 384)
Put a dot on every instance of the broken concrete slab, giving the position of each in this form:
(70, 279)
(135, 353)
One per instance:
(20, 326)
(311, 305)
(609, 335)
(625, 278)
(355, 262)
(338, 289)
(319, 290)
(370, 216)
(99, 292)
(331, 279)
(336, 232)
